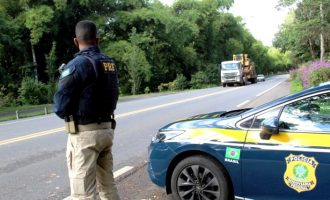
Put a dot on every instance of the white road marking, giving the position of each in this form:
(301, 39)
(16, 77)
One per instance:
(172, 103)
(122, 171)
(241, 104)
(116, 174)
(261, 93)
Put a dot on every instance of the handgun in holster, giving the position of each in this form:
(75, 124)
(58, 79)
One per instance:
(113, 122)
(70, 125)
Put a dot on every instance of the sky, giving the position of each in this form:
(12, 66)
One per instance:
(260, 17)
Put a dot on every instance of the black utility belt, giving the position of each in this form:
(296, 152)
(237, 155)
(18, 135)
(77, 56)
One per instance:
(94, 126)
(73, 127)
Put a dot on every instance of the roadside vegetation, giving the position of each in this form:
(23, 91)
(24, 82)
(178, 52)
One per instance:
(305, 33)
(157, 48)
(309, 75)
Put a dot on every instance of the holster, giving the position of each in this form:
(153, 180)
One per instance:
(70, 125)
(113, 124)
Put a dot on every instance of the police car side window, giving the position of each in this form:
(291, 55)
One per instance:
(311, 114)
(260, 118)
(247, 123)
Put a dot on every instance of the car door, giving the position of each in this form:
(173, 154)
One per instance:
(295, 163)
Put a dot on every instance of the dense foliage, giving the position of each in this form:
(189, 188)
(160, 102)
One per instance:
(156, 47)
(305, 34)
(306, 30)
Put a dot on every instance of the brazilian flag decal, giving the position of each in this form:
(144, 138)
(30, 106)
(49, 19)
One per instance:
(233, 153)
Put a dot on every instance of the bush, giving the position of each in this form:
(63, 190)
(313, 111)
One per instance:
(294, 74)
(146, 90)
(52, 88)
(199, 80)
(180, 83)
(306, 71)
(33, 92)
(125, 87)
(213, 73)
(163, 87)
(319, 76)
(7, 99)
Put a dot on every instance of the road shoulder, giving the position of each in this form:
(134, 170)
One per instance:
(281, 90)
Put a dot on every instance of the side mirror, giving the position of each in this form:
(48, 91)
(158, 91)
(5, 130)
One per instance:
(269, 127)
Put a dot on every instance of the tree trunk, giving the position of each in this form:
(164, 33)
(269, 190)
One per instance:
(33, 54)
(311, 49)
(322, 49)
(34, 61)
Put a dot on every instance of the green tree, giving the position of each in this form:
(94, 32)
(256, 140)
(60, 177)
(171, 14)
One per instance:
(258, 55)
(131, 60)
(234, 46)
(309, 30)
(51, 71)
(51, 64)
(151, 43)
(37, 21)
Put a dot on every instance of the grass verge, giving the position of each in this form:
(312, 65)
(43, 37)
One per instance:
(9, 113)
(22, 108)
(296, 86)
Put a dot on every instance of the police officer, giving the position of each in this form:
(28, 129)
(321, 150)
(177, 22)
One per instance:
(86, 99)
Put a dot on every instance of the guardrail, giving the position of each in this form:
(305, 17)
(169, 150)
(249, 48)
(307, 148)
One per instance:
(18, 114)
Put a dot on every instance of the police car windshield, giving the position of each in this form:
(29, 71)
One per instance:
(229, 66)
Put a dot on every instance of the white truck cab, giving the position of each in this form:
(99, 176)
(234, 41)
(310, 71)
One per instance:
(231, 73)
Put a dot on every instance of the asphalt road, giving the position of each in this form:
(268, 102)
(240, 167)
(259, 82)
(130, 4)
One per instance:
(32, 151)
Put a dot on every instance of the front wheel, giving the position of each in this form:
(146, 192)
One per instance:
(199, 178)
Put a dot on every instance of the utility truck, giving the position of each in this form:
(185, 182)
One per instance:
(238, 71)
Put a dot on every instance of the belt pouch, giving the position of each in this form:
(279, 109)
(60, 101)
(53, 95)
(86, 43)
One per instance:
(70, 125)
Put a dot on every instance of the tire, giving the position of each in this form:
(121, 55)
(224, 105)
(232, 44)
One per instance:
(199, 178)
(224, 85)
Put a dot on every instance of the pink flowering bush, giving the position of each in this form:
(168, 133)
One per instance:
(319, 76)
(305, 72)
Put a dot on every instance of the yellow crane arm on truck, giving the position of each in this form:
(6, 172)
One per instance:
(243, 58)
(249, 71)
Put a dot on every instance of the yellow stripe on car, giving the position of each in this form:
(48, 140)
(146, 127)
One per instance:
(215, 134)
(292, 138)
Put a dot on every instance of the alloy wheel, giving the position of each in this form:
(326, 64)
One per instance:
(196, 182)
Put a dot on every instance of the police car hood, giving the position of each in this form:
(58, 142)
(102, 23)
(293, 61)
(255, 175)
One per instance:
(220, 119)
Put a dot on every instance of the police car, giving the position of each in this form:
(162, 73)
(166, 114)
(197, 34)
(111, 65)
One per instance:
(279, 150)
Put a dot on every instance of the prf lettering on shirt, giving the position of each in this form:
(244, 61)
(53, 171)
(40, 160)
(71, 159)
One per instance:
(108, 66)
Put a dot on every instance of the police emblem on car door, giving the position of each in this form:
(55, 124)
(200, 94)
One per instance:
(300, 172)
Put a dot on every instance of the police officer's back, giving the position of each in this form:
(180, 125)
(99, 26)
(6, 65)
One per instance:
(86, 98)
(88, 88)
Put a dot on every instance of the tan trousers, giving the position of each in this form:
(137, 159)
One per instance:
(90, 165)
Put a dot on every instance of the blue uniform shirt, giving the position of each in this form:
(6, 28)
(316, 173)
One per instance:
(88, 88)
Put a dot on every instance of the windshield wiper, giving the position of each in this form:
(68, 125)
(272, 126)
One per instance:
(234, 112)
